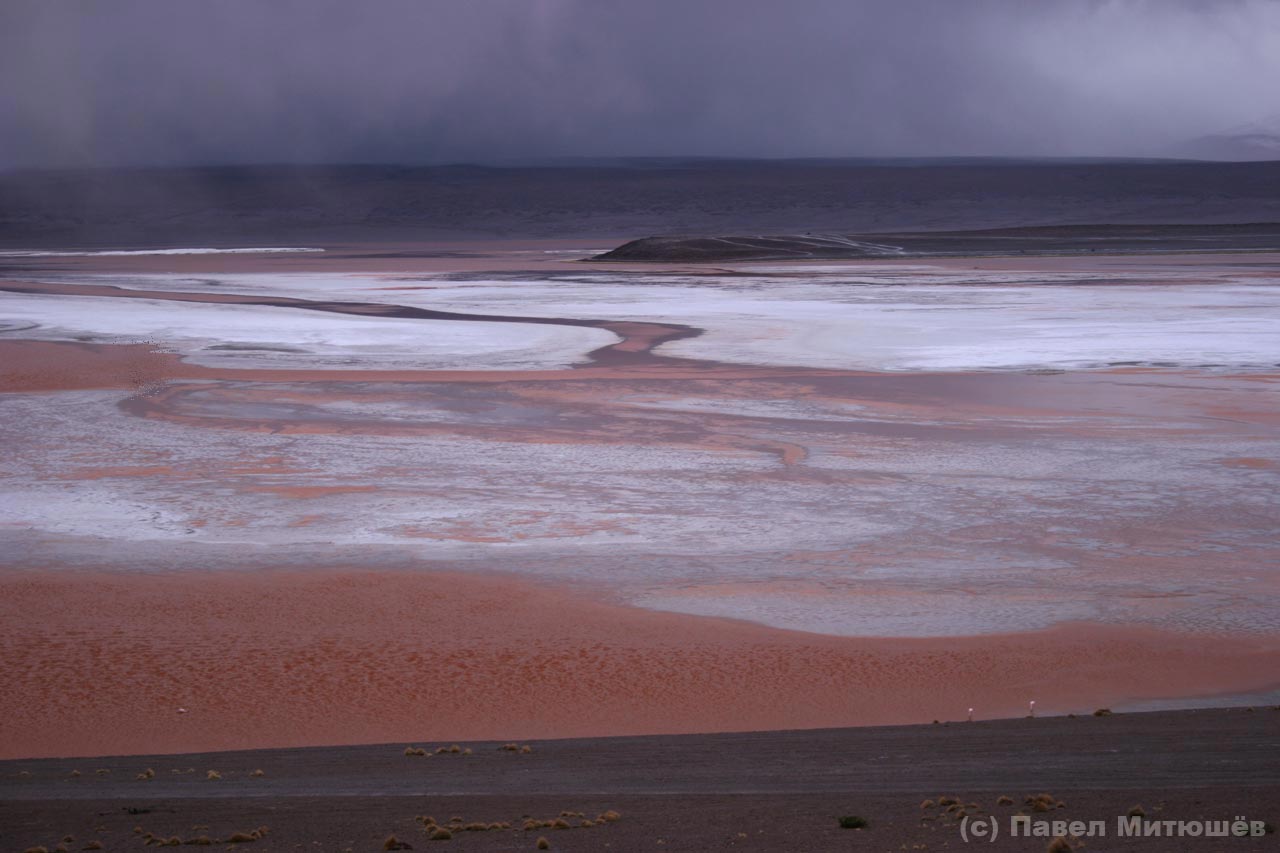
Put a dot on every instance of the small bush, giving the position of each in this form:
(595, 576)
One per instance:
(1101, 712)
(1136, 811)
(853, 822)
(213, 775)
(393, 843)
(948, 801)
(1058, 845)
(1042, 802)
(441, 834)
(1004, 801)
(241, 838)
(543, 843)
(560, 823)
(201, 841)
(526, 749)
(927, 804)
(610, 816)
(257, 774)
(95, 844)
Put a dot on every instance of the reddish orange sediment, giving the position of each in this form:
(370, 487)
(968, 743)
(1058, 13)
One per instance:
(100, 662)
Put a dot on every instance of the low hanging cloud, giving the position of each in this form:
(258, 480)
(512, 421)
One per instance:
(165, 82)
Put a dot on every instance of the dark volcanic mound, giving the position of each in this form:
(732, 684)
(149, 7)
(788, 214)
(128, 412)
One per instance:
(785, 246)
(1045, 240)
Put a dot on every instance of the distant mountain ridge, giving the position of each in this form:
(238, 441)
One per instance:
(1257, 140)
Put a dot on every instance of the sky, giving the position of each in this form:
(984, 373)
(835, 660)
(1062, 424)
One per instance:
(191, 82)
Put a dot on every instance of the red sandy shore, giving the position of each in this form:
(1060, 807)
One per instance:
(99, 663)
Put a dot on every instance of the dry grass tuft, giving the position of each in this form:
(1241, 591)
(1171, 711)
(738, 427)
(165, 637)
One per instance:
(1004, 801)
(526, 749)
(393, 843)
(102, 771)
(201, 841)
(927, 804)
(543, 843)
(530, 825)
(40, 850)
(257, 774)
(1101, 712)
(455, 819)
(147, 775)
(610, 816)
(948, 801)
(559, 823)
(213, 775)
(242, 838)
(1136, 811)
(476, 826)
(455, 749)
(1043, 802)
(75, 772)
(587, 824)
(1058, 845)
(171, 841)
(95, 844)
(441, 834)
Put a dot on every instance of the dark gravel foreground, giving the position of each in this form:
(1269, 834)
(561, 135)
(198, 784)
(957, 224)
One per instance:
(753, 791)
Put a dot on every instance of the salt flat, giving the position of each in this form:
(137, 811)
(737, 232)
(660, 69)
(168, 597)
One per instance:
(886, 454)
(913, 317)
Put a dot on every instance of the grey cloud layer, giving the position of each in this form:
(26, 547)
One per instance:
(171, 81)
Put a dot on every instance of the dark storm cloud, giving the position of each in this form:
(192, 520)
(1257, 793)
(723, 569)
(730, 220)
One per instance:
(171, 81)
